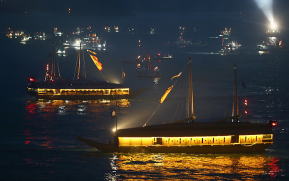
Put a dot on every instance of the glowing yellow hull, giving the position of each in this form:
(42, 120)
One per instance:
(116, 93)
(199, 144)
(204, 144)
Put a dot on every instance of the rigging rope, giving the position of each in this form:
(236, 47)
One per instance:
(176, 80)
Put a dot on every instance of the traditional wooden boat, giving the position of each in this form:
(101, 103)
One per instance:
(190, 136)
(54, 87)
(78, 90)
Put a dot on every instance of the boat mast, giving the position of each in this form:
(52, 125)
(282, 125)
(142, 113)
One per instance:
(84, 69)
(78, 66)
(190, 100)
(52, 72)
(235, 106)
(55, 68)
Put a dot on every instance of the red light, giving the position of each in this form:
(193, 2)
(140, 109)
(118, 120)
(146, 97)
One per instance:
(26, 142)
(47, 67)
(246, 102)
(274, 123)
(31, 79)
(246, 112)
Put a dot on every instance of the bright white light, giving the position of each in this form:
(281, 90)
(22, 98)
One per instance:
(262, 52)
(66, 43)
(113, 130)
(60, 52)
(77, 44)
(58, 34)
(26, 38)
(267, 8)
(273, 26)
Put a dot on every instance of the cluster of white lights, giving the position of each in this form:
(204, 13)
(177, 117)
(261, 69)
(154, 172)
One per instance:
(77, 44)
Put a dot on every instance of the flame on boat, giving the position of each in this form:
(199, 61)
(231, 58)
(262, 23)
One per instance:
(163, 98)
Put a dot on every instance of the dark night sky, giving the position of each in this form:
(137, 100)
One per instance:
(128, 7)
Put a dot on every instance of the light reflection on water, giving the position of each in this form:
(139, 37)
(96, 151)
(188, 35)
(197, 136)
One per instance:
(54, 124)
(188, 166)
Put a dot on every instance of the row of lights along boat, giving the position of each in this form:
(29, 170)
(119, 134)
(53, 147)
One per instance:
(53, 87)
(189, 136)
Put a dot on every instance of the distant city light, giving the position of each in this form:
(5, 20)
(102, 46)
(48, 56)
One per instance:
(25, 39)
(69, 10)
(107, 29)
(116, 29)
(58, 33)
(261, 52)
(61, 52)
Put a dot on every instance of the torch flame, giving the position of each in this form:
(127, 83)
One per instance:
(163, 98)
(176, 76)
(90, 51)
(97, 63)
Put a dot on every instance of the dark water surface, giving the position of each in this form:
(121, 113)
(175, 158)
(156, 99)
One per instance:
(38, 138)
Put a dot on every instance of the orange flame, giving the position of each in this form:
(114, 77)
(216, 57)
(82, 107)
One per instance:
(163, 98)
(90, 51)
(176, 76)
(97, 63)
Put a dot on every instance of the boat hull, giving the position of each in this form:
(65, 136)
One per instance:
(202, 149)
(81, 97)
(77, 90)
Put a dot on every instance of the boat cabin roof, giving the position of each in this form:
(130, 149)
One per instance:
(197, 129)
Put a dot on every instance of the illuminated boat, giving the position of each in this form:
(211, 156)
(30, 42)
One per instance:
(54, 87)
(190, 136)
(272, 42)
(77, 90)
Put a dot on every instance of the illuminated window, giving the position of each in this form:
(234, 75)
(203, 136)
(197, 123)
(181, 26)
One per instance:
(158, 141)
